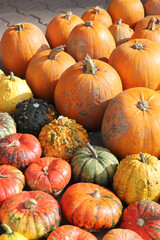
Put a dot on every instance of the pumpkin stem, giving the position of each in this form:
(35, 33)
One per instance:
(4, 176)
(61, 121)
(142, 157)
(30, 203)
(94, 154)
(158, 21)
(36, 105)
(52, 55)
(68, 15)
(19, 27)
(88, 23)
(89, 65)
(143, 105)
(11, 76)
(45, 170)
(97, 10)
(137, 46)
(14, 143)
(7, 229)
(119, 22)
(151, 25)
(140, 222)
(96, 193)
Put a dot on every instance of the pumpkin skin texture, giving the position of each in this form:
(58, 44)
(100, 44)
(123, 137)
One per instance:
(121, 234)
(2, 74)
(62, 137)
(55, 175)
(10, 235)
(86, 89)
(59, 28)
(19, 43)
(137, 63)
(31, 213)
(70, 232)
(44, 71)
(94, 164)
(88, 206)
(142, 217)
(131, 11)
(137, 178)
(97, 14)
(12, 181)
(152, 7)
(19, 150)
(91, 38)
(127, 127)
(32, 114)
(7, 125)
(12, 91)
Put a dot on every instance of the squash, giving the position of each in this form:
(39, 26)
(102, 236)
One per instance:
(121, 234)
(10, 235)
(19, 43)
(7, 125)
(62, 137)
(94, 164)
(2, 74)
(91, 206)
(152, 7)
(32, 114)
(12, 91)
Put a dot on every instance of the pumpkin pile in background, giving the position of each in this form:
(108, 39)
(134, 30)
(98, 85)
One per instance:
(95, 80)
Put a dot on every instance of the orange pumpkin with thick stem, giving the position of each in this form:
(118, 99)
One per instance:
(59, 28)
(19, 44)
(85, 89)
(44, 71)
(91, 38)
(131, 11)
(152, 7)
(131, 123)
(97, 14)
(137, 63)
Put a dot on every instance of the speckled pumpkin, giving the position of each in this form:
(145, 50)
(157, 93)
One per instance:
(62, 137)
(7, 125)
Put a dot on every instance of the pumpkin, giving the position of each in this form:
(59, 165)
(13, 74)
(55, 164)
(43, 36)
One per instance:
(119, 234)
(7, 125)
(152, 7)
(67, 232)
(86, 89)
(32, 114)
(137, 63)
(55, 175)
(127, 127)
(91, 206)
(32, 213)
(142, 217)
(137, 178)
(19, 150)
(151, 32)
(97, 14)
(12, 181)
(59, 28)
(94, 164)
(12, 91)
(44, 71)
(143, 23)
(131, 11)
(121, 32)
(19, 43)
(62, 137)
(92, 38)
(10, 234)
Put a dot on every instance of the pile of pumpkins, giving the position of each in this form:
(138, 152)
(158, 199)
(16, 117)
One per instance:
(96, 73)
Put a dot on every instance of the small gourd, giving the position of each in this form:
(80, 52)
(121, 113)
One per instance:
(10, 235)
(7, 125)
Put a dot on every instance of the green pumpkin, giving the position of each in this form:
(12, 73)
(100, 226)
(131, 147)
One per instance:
(7, 125)
(94, 164)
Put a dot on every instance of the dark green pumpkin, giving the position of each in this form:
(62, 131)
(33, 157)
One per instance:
(32, 114)
(7, 125)
(94, 164)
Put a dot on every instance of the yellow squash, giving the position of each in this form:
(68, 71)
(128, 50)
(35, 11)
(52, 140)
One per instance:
(10, 235)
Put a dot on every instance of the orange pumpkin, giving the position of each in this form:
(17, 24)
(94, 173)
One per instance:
(19, 44)
(131, 11)
(59, 28)
(143, 23)
(44, 71)
(84, 90)
(91, 38)
(131, 123)
(97, 14)
(152, 7)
